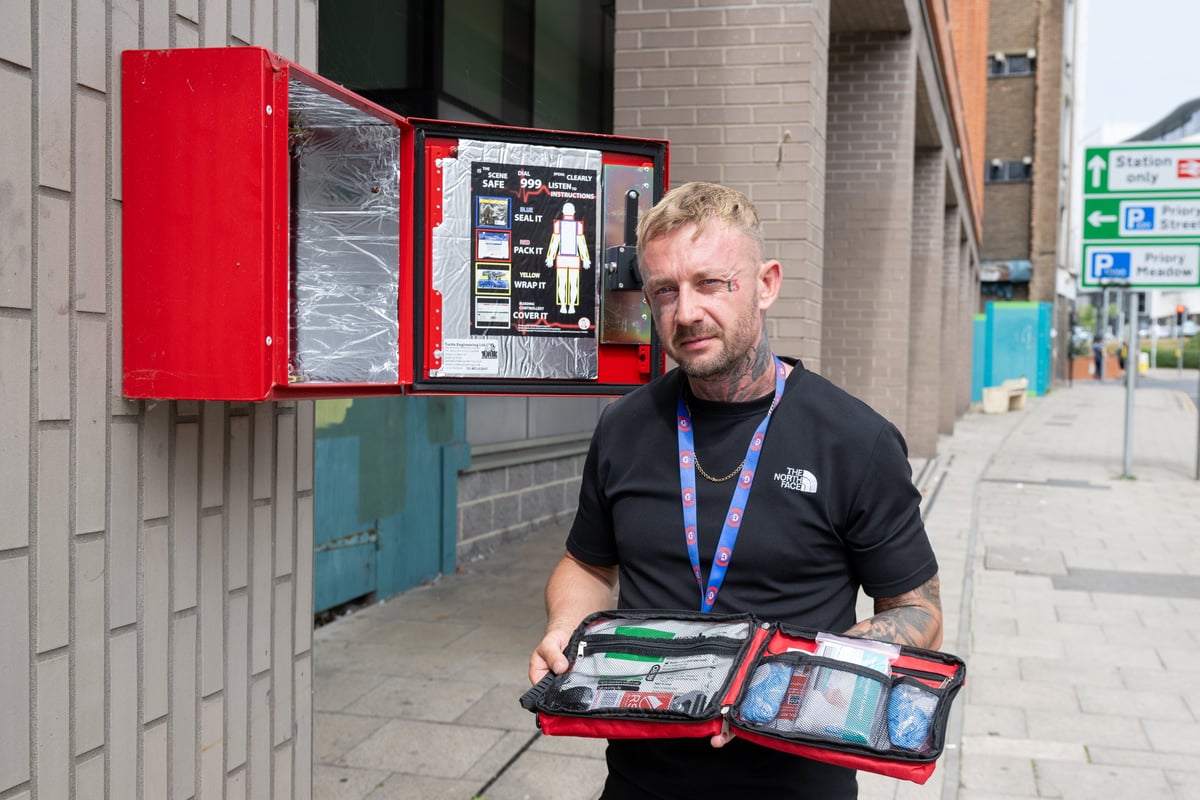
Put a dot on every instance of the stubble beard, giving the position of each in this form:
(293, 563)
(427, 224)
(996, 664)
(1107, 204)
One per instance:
(732, 362)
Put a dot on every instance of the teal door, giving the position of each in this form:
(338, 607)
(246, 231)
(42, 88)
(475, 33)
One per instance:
(345, 543)
(385, 494)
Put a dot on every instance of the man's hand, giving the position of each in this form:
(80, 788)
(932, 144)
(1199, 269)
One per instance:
(723, 738)
(549, 656)
(575, 589)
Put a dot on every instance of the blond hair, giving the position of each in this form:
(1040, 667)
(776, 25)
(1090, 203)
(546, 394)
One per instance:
(698, 203)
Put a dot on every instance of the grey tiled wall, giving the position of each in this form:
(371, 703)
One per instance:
(155, 558)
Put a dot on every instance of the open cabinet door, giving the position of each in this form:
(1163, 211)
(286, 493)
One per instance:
(285, 238)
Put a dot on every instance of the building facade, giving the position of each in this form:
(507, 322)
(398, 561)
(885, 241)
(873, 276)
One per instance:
(156, 558)
(1026, 163)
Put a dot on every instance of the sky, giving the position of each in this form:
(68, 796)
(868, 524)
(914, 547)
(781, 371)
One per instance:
(1139, 62)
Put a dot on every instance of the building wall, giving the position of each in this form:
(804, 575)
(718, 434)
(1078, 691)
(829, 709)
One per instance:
(1006, 213)
(952, 322)
(500, 499)
(927, 303)
(1047, 155)
(1010, 137)
(867, 300)
(739, 89)
(1025, 119)
(820, 129)
(969, 32)
(155, 557)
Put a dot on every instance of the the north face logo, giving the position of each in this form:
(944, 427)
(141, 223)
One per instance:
(798, 480)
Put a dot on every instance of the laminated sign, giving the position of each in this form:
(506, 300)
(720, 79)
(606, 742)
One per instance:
(525, 218)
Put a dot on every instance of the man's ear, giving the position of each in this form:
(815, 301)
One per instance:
(770, 281)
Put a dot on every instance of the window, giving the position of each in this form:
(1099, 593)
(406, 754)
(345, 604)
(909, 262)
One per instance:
(1000, 171)
(1012, 63)
(541, 63)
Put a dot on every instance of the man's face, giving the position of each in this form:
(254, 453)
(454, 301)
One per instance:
(704, 295)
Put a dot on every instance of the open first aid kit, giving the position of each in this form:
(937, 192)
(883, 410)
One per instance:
(853, 702)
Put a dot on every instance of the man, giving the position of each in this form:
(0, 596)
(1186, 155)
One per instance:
(833, 506)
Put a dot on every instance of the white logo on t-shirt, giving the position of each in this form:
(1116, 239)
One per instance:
(798, 480)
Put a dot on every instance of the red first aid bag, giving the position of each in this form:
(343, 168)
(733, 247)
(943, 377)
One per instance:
(856, 703)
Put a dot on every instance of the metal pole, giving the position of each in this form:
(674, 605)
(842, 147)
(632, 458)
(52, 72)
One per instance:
(1103, 332)
(1131, 361)
(1178, 348)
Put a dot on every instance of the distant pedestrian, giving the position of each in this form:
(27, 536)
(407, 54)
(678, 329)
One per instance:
(1098, 355)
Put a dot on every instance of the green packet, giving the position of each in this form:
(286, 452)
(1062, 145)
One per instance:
(639, 633)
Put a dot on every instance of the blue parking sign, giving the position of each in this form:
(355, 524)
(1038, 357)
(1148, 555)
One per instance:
(1114, 265)
(1139, 218)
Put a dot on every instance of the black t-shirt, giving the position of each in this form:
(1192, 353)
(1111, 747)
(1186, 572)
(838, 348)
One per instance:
(832, 508)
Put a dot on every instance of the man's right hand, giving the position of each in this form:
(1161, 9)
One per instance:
(549, 656)
(575, 589)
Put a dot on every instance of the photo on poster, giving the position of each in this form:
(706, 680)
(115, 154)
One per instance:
(552, 214)
(492, 245)
(493, 313)
(491, 212)
(492, 279)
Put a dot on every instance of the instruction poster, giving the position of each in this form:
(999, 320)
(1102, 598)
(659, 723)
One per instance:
(534, 249)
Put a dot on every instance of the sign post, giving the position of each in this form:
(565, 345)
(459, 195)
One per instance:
(1141, 230)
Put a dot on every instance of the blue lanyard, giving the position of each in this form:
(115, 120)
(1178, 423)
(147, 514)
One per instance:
(737, 506)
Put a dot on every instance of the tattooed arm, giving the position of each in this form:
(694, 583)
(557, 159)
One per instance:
(913, 618)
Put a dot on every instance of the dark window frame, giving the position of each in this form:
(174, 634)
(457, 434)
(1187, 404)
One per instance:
(1008, 171)
(1013, 65)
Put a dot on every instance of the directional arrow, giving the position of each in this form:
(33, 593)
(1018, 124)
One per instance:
(1096, 166)
(1096, 219)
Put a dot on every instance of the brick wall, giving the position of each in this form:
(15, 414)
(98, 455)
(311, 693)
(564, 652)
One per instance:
(925, 360)
(1006, 214)
(155, 558)
(868, 235)
(1012, 25)
(1010, 133)
(951, 322)
(1010, 119)
(505, 501)
(969, 32)
(1025, 119)
(739, 89)
(969, 305)
(1047, 156)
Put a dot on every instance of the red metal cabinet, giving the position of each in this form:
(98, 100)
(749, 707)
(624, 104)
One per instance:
(285, 238)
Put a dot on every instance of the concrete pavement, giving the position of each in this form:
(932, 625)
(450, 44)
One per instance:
(1072, 591)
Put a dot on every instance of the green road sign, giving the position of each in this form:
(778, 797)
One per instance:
(1141, 217)
(1142, 265)
(1141, 168)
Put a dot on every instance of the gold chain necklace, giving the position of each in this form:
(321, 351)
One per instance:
(707, 477)
(700, 469)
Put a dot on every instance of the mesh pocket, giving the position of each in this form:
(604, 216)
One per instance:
(774, 696)
(678, 668)
(846, 705)
(682, 683)
(911, 708)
